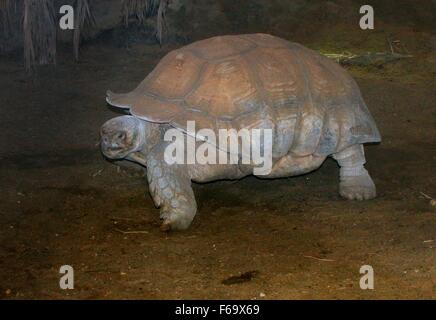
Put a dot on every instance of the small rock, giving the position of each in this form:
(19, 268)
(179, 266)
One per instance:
(433, 203)
(262, 295)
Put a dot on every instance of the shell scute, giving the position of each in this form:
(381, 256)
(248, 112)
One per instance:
(220, 47)
(176, 75)
(226, 90)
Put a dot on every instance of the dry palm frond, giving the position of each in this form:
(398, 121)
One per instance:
(142, 9)
(39, 25)
(5, 16)
(161, 25)
(6, 4)
(10, 23)
(83, 17)
(7, 9)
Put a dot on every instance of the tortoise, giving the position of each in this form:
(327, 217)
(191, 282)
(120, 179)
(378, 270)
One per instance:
(311, 105)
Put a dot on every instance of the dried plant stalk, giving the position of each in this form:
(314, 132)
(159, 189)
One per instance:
(5, 16)
(161, 25)
(39, 25)
(142, 9)
(5, 4)
(83, 18)
(11, 12)
(7, 9)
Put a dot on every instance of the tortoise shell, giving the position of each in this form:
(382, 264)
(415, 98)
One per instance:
(254, 81)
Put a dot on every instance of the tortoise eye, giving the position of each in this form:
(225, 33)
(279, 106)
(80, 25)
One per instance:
(120, 136)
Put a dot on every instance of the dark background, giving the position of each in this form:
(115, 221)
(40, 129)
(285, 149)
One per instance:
(62, 203)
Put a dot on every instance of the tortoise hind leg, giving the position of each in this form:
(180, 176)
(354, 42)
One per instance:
(355, 182)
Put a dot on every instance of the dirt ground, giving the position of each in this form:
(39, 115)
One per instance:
(63, 204)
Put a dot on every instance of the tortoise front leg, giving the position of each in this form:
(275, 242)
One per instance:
(170, 187)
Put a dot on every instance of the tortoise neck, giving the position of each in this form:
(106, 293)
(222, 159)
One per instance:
(148, 135)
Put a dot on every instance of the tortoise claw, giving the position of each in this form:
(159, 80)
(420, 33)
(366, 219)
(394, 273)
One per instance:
(165, 227)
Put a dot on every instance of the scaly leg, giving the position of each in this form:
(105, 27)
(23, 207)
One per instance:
(355, 182)
(170, 187)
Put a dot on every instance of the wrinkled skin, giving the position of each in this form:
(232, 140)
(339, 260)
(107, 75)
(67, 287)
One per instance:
(130, 138)
(122, 136)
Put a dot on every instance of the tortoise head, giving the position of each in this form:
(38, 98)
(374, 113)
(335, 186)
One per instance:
(121, 136)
